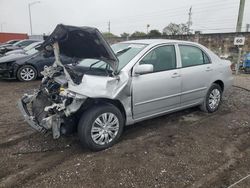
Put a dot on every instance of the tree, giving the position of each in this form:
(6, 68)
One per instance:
(108, 35)
(176, 29)
(139, 34)
(124, 35)
(154, 33)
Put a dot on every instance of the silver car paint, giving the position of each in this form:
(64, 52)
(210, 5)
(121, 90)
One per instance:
(144, 97)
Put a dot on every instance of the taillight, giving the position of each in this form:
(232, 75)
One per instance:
(232, 66)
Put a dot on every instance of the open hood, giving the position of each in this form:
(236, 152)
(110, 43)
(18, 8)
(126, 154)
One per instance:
(82, 42)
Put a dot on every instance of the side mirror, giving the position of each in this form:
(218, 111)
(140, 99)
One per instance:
(144, 68)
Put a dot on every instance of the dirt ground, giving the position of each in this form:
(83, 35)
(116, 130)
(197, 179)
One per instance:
(183, 149)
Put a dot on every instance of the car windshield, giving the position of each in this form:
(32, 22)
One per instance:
(19, 43)
(31, 46)
(11, 42)
(124, 51)
(31, 51)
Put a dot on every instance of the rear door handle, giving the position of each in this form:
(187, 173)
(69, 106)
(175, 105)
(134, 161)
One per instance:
(175, 75)
(209, 69)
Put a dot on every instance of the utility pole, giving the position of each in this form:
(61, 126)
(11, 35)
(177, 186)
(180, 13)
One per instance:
(189, 23)
(240, 16)
(30, 4)
(109, 26)
(247, 27)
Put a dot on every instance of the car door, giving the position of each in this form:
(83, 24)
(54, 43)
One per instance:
(196, 73)
(44, 59)
(159, 91)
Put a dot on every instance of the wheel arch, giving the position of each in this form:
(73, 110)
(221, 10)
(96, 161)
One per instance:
(91, 101)
(220, 83)
(20, 66)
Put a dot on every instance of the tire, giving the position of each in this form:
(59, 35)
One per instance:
(210, 104)
(247, 70)
(96, 137)
(26, 73)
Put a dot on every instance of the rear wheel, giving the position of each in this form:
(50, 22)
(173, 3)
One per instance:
(213, 99)
(100, 127)
(26, 73)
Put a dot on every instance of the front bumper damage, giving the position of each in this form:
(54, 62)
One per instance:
(22, 105)
(52, 122)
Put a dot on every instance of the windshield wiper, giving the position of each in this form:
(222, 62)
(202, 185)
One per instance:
(90, 67)
(120, 52)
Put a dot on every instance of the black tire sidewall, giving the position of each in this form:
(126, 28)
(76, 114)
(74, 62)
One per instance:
(26, 66)
(214, 86)
(86, 121)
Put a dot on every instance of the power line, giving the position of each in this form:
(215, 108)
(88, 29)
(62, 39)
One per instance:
(171, 13)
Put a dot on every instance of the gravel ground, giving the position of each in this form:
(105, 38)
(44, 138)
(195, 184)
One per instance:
(183, 149)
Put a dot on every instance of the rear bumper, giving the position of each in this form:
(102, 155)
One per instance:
(22, 105)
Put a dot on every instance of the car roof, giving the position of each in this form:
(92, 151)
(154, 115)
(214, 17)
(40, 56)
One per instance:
(157, 41)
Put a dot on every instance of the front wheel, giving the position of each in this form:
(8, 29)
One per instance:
(100, 127)
(26, 73)
(213, 99)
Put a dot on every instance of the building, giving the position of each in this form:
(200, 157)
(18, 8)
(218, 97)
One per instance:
(11, 36)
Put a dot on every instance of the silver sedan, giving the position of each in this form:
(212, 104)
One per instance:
(139, 80)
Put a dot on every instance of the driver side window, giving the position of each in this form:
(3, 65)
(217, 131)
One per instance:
(162, 58)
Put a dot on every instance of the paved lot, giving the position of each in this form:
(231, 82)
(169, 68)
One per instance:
(184, 149)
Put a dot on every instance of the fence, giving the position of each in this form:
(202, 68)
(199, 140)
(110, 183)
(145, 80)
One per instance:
(220, 43)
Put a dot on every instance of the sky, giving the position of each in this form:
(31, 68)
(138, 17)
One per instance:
(124, 15)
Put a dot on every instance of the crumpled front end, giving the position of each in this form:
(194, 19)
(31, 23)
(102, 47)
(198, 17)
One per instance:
(52, 107)
(62, 93)
(31, 120)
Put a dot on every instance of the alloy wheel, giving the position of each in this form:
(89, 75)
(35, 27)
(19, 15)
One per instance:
(27, 74)
(214, 99)
(105, 128)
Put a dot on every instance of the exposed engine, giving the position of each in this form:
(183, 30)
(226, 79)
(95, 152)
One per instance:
(53, 106)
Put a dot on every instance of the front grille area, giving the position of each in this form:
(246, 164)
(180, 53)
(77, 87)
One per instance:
(3, 66)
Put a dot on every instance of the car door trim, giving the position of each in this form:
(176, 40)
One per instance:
(157, 99)
(165, 112)
(170, 96)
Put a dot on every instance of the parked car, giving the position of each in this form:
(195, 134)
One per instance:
(10, 42)
(24, 50)
(120, 85)
(18, 45)
(27, 66)
(246, 63)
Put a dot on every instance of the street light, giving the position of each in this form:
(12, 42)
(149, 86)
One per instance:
(30, 4)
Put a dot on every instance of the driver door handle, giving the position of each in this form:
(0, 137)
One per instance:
(175, 75)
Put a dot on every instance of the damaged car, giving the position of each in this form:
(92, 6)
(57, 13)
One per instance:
(109, 87)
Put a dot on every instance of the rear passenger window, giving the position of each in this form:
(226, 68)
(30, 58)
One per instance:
(162, 58)
(192, 56)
